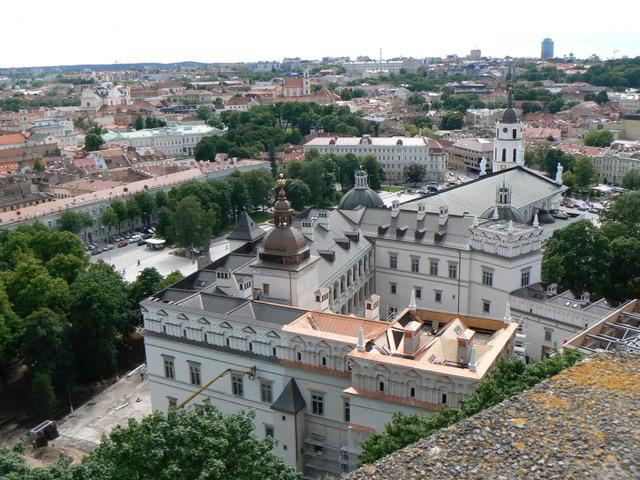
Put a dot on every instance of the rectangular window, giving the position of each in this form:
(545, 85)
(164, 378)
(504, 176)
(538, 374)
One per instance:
(393, 288)
(486, 306)
(415, 264)
(548, 335)
(418, 291)
(443, 398)
(437, 297)
(525, 277)
(237, 387)
(453, 270)
(172, 402)
(266, 392)
(268, 431)
(433, 266)
(169, 368)
(347, 410)
(317, 404)
(487, 277)
(194, 373)
(265, 289)
(393, 261)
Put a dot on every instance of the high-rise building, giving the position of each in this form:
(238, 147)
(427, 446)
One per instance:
(546, 50)
(475, 54)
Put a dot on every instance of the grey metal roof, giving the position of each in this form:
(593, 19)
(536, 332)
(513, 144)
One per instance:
(219, 303)
(357, 197)
(290, 399)
(477, 196)
(246, 229)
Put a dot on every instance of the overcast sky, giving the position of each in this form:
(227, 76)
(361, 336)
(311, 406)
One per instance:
(64, 32)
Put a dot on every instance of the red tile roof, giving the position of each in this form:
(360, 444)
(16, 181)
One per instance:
(12, 138)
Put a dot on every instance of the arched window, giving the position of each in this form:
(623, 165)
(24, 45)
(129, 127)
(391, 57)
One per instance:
(382, 383)
(514, 154)
(411, 389)
(504, 154)
(515, 134)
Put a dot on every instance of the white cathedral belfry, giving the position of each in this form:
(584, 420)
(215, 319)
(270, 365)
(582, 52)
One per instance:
(508, 145)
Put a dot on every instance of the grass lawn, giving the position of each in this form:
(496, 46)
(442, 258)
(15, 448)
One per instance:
(261, 217)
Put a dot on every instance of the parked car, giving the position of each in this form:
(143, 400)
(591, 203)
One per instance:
(91, 246)
(123, 243)
(141, 242)
(96, 251)
(135, 238)
(561, 214)
(109, 246)
(147, 235)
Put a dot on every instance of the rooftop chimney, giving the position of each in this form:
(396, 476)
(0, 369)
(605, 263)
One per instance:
(372, 307)
(412, 300)
(361, 347)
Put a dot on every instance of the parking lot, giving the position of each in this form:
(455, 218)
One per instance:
(132, 259)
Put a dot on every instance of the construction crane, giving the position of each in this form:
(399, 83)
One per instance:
(251, 373)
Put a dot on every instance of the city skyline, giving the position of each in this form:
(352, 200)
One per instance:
(221, 33)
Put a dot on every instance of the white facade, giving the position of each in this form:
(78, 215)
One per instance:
(393, 153)
(178, 140)
(508, 145)
(629, 101)
(320, 387)
(105, 95)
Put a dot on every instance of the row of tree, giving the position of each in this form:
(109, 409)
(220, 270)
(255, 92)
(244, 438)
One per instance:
(59, 314)
(600, 260)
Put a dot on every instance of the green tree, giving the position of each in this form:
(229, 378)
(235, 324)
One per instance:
(38, 166)
(42, 394)
(163, 225)
(133, 210)
(30, 287)
(74, 222)
(190, 225)
(93, 142)
(374, 169)
(139, 123)
(109, 219)
(171, 278)
(414, 173)
(551, 159)
(120, 210)
(598, 138)
(602, 97)
(14, 467)
(44, 344)
(185, 445)
(99, 310)
(9, 326)
(624, 209)
(161, 199)
(205, 150)
(452, 121)
(583, 171)
(298, 193)
(625, 275)
(259, 184)
(203, 112)
(631, 179)
(148, 282)
(585, 255)
(67, 266)
(145, 206)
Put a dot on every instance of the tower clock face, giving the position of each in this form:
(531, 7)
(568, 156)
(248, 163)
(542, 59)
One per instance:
(505, 130)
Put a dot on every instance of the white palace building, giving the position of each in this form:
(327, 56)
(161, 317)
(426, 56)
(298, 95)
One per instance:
(335, 319)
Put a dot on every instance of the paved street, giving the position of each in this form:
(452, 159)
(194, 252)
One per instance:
(125, 259)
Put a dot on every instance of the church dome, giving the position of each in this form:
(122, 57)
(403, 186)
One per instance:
(284, 241)
(509, 116)
(360, 195)
(284, 244)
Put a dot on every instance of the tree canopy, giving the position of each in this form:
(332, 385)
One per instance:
(598, 138)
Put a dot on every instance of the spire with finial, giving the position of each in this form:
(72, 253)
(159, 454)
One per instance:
(282, 212)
